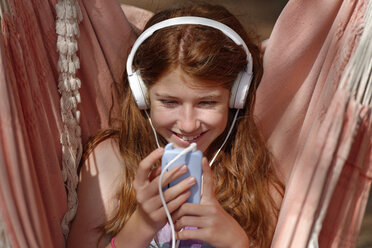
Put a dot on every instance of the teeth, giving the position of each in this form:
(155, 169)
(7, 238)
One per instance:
(188, 138)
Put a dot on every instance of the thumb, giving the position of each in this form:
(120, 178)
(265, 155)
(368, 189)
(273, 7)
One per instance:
(208, 183)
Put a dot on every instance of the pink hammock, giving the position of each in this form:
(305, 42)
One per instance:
(310, 105)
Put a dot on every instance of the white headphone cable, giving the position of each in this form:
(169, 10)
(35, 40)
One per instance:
(227, 136)
(191, 147)
(153, 129)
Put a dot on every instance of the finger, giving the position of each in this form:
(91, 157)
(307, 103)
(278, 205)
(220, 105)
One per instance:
(146, 164)
(208, 183)
(168, 176)
(180, 187)
(190, 209)
(189, 221)
(173, 174)
(194, 234)
(154, 173)
(178, 201)
(174, 204)
(172, 193)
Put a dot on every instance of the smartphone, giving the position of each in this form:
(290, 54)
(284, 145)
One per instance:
(193, 161)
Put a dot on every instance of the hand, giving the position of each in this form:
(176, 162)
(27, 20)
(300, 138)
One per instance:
(150, 209)
(215, 225)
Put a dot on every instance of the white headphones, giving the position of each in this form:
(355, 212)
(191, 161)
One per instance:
(241, 85)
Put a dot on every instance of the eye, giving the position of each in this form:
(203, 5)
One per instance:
(207, 103)
(168, 103)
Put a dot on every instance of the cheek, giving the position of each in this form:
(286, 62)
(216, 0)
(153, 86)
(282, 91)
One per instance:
(223, 121)
(218, 120)
(160, 118)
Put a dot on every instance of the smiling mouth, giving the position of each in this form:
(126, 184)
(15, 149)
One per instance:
(185, 138)
(188, 138)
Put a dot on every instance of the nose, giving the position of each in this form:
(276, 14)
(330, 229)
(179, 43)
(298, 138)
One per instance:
(188, 120)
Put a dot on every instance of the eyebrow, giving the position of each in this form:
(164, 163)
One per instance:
(164, 95)
(210, 96)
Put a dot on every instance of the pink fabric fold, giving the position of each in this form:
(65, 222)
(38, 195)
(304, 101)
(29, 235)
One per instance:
(32, 188)
(32, 193)
(105, 40)
(313, 128)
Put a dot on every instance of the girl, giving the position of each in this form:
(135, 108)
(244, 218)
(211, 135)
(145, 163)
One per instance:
(189, 72)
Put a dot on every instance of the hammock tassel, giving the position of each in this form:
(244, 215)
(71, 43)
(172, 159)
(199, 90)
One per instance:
(67, 28)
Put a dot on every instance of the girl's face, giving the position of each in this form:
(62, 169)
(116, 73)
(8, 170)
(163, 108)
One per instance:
(183, 115)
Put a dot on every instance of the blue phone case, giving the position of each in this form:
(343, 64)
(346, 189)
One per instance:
(193, 162)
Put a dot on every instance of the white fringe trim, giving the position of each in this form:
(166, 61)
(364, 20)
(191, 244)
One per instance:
(4, 240)
(67, 27)
(358, 73)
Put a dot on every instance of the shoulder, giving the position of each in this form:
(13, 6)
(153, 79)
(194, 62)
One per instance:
(104, 161)
(104, 171)
(100, 180)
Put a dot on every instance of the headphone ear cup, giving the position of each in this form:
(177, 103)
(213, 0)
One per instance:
(240, 90)
(139, 90)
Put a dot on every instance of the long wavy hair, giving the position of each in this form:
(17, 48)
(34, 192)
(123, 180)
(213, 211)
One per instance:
(244, 177)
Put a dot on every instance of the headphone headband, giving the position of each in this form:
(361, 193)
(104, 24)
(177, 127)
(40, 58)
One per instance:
(241, 85)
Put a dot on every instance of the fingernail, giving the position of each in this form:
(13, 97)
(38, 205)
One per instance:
(191, 180)
(183, 168)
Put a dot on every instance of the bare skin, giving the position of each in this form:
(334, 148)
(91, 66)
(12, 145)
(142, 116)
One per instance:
(98, 184)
